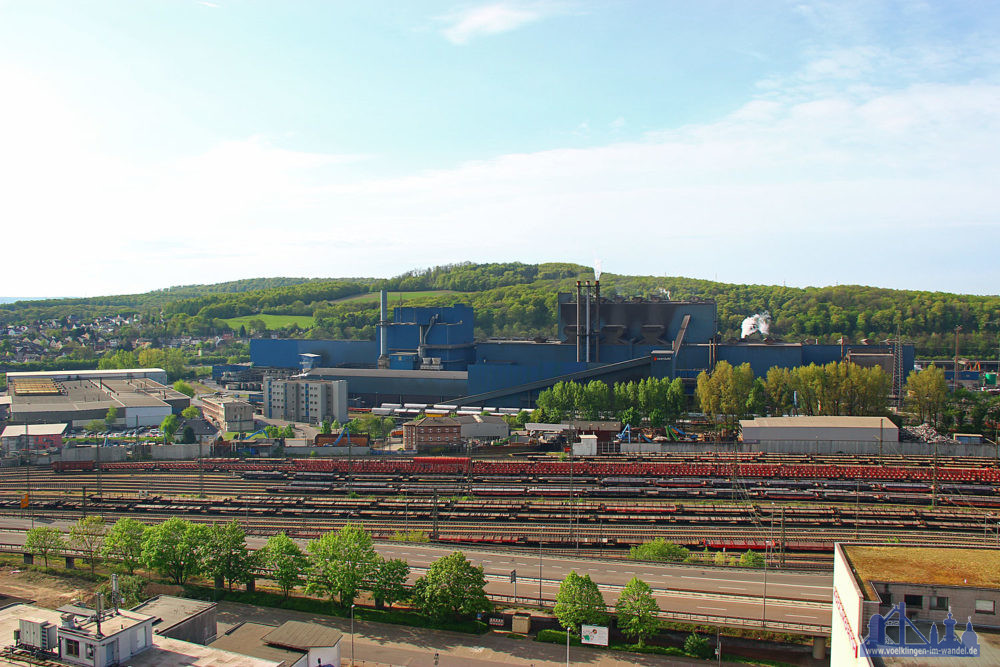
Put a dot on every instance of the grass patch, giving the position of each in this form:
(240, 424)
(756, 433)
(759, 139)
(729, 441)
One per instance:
(274, 321)
(326, 608)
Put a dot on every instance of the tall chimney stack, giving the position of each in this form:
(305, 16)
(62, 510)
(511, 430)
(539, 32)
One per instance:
(383, 329)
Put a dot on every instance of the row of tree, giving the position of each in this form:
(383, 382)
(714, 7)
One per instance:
(339, 565)
(659, 400)
(837, 388)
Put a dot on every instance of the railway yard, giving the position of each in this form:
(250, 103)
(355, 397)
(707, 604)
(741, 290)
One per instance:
(794, 506)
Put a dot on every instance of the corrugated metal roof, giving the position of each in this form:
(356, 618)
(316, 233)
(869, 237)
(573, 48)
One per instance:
(303, 636)
(319, 373)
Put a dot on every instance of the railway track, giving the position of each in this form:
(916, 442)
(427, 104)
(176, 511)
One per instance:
(701, 510)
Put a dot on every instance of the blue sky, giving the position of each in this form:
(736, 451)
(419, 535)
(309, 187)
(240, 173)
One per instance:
(148, 143)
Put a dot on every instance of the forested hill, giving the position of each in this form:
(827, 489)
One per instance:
(519, 300)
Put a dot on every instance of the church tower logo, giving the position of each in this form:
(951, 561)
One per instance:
(910, 641)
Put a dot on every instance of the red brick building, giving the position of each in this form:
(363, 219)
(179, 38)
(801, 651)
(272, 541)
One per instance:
(431, 432)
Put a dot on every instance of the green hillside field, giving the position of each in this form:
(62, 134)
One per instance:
(273, 322)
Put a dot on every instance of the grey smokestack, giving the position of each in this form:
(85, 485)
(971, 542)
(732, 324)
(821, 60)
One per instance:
(597, 317)
(578, 313)
(383, 324)
(588, 322)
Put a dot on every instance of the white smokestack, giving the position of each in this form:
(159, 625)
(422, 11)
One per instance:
(597, 269)
(758, 322)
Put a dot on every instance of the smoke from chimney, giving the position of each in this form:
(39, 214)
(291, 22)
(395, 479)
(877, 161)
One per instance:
(758, 322)
(597, 269)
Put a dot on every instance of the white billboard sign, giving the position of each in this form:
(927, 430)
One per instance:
(594, 634)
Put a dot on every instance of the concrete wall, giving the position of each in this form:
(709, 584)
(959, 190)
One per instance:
(174, 452)
(847, 624)
(108, 454)
(793, 433)
(303, 452)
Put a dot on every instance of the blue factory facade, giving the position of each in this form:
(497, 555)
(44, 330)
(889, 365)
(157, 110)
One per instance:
(429, 355)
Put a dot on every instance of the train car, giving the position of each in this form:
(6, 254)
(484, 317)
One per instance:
(262, 474)
(72, 466)
(625, 481)
(789, 494)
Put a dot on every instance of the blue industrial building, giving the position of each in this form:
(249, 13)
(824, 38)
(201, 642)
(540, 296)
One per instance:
(429, 355)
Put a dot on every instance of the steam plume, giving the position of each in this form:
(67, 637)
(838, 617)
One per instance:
(758, 322)
(597, 269)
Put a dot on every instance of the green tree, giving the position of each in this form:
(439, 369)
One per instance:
(95, 426)
(637, 611)
(187, 436)
(123, 543)
(184, 388)
(169, 426)
(659, 550)
(325, 427)
(87, 537)
(452, 587)
(115, 360)
(926, 391)
(111, 416)
(286, 560)
(131, 591)
(44, 541)
(190, 412)
(579, 602)
(173, 548)
(388, 583)
(697, 646)
(224, 553)
(340, 563)
(751, 558)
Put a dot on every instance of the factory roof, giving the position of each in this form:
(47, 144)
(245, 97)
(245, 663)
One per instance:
(319, 373)
(116, 372)
(101, 393)
(942, 566)
(480, 419)
(17, 430)
(820, 422)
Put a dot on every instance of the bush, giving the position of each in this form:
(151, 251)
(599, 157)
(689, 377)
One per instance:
(697, 646)
(659, 550)
(751, 559)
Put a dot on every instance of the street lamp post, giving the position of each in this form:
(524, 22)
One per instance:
(986, 519)
(352, 635)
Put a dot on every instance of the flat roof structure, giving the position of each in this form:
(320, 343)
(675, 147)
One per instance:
(17, 430)
(83, 399)
(89, 374)
(248, 638)
(944, 566)
(170, 610)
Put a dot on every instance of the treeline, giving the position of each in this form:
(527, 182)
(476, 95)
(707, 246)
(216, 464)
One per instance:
(838, 388)
(659, 401)
(293, 300)
(128, 304)
(515, 299)
(339, 565)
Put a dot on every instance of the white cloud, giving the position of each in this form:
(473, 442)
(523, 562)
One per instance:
(809, 184)
(467, 24)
